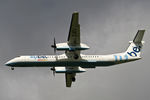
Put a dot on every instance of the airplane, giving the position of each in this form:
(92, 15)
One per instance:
(72, 61)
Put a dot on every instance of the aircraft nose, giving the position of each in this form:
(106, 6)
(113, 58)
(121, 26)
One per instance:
(9, 63)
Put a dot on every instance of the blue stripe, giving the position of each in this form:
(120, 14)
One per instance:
(126, 57)
(120, 58)
(115, 57)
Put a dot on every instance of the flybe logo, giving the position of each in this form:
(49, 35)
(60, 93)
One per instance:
(135, 51)
(39, 58)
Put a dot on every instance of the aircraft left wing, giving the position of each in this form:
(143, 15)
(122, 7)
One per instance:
(74, 32)
(73, 41)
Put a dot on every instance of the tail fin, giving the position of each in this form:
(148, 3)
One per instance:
(134, 49)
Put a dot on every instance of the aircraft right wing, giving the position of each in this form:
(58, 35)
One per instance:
(69, 78)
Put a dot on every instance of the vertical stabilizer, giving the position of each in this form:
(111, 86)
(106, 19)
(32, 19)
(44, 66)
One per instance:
(135, 47)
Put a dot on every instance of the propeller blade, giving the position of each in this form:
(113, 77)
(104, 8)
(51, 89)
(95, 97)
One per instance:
(54, 51)
(53, 69)
(54, 73)
(54, 46)
(54, 42)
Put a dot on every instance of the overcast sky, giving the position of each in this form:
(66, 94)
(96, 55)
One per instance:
(27, 27)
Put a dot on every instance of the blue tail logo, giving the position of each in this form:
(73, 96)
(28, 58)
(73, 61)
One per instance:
(135, 51)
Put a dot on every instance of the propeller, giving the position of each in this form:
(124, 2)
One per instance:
(54, 71)
(54, 46)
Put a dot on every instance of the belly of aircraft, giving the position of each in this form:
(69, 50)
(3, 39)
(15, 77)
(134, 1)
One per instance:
(83, 64)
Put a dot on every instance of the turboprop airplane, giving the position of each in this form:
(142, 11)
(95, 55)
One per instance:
(72, 61)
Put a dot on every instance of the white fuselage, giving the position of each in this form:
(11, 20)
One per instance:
(84, 61)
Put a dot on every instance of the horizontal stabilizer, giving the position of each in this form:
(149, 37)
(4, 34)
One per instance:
(139, 36)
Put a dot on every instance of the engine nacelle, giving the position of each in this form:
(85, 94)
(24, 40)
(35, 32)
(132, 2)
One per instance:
(69, 70)
(65, 46)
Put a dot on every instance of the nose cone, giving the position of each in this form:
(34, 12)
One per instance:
(9, 63)
(13, 62)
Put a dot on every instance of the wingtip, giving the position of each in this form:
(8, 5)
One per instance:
(142, 30)
(75, 12)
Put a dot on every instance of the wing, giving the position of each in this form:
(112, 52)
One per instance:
(73, 40)
(69, 78)
(74, 32)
